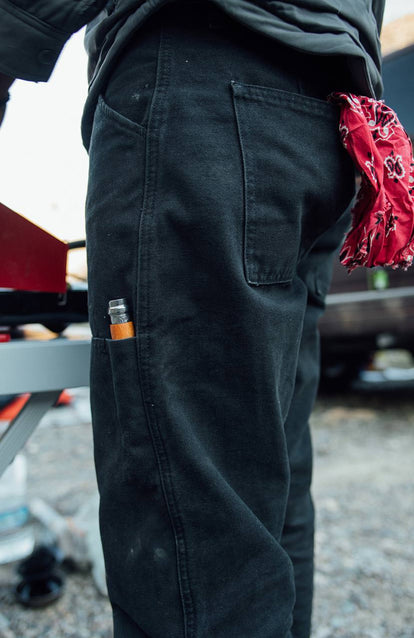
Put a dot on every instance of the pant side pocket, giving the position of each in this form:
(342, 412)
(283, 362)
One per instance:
(137, 451)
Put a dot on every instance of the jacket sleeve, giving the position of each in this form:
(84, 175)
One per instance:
(378, 11)
(33, 33)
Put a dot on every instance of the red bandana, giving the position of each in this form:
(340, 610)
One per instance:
(383, 215)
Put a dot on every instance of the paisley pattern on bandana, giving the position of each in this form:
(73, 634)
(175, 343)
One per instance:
(382, 232)
(395, 167)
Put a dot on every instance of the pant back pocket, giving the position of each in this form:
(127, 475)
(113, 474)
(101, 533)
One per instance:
(297, 177)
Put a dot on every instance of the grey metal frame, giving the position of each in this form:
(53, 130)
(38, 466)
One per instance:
(44, 369)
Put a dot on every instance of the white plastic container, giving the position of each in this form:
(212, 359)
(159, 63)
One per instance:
(16, 531)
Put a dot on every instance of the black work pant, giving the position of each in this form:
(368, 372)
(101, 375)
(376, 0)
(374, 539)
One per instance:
(217, 197)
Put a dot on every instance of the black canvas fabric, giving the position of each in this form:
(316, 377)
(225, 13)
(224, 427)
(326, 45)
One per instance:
(32, 34)
(218, 195)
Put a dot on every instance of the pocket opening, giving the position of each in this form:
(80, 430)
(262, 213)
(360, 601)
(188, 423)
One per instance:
(120, 119)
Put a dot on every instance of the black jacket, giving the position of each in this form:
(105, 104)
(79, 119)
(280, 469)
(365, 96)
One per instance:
(33, 33)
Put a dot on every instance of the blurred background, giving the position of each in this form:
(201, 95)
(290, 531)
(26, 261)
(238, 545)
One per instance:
(363, 422)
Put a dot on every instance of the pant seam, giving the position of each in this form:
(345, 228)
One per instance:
(143, 297)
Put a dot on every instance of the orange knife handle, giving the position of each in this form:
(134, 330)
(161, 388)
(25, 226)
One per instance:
(122, 330)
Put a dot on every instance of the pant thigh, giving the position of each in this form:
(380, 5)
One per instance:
(190, 447)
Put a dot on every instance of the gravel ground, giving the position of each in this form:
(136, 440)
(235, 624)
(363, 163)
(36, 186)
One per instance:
(363, 490)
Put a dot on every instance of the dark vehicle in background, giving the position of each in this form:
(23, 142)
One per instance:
(368, 310)
(372, 308)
